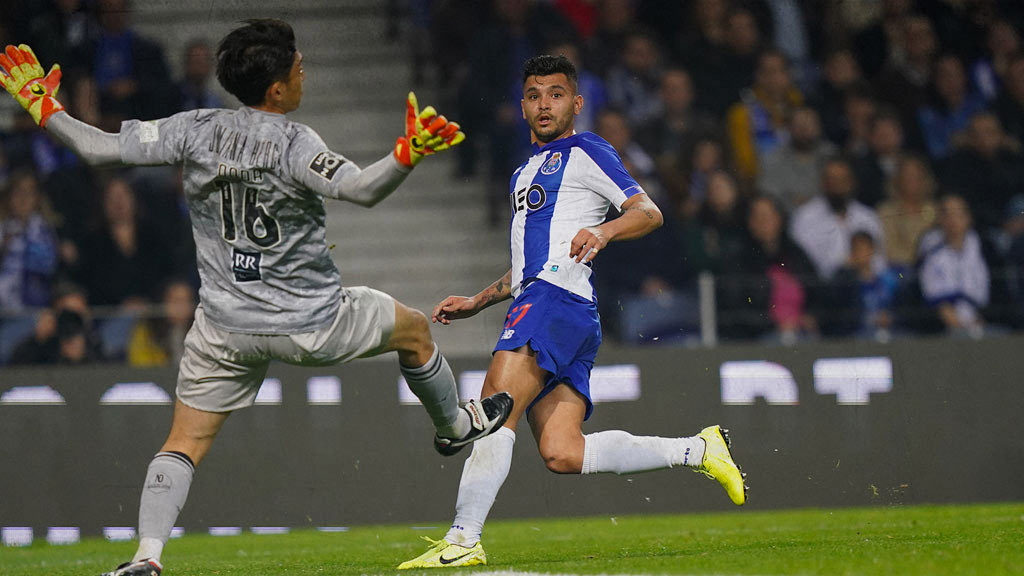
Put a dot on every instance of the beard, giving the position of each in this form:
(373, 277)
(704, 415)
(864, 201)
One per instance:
(548, 133)
(837, 203)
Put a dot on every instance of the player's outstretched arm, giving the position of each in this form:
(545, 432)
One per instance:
(640, 216)
(459, 307)
(334, 176)
(23, 78)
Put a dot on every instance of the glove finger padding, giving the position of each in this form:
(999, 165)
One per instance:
(453, 141)
(412, 112)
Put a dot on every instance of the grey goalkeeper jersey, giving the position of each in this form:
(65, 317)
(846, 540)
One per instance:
(255, 183)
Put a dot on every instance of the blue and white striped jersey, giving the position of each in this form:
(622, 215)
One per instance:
(566, 185)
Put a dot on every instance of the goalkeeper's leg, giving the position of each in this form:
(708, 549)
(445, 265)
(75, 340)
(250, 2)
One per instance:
(430, 378)
(167, 483)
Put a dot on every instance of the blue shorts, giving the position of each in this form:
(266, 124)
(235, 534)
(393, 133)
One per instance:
(562, 328)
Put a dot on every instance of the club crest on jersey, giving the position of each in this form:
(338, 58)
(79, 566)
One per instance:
(326, 164)
(530, 198)
(552, 165)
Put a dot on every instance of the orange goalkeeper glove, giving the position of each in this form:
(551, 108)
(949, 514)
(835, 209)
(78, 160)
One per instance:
(425, 133)
(23, 77)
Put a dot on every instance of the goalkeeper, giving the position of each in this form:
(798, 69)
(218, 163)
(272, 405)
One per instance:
(255, 183)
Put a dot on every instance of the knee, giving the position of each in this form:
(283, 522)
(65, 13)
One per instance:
(562, 457)
(416, 338)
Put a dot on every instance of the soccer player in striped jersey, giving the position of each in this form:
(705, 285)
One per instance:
(256, 185)
(546, 349)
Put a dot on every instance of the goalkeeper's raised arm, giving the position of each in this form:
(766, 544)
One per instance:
(164, 141)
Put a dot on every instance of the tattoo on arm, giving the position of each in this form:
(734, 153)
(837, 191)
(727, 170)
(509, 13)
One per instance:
(498, 291)
(645, 210)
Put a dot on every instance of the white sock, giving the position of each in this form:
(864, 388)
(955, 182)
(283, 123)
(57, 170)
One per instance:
(482, 477)
(622, 453)
(434, 384)
(149, 548)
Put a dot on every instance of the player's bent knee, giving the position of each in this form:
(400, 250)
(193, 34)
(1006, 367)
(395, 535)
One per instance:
(411, 338)
(562, 460)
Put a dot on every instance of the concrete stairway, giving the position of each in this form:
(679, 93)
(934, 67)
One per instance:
(430, 238)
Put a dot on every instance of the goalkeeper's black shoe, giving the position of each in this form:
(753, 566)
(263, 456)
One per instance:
(147, 567)
(485, 417)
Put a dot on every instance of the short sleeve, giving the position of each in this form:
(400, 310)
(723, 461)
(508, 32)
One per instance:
(604, 173)
(150, 142)
(313, 166)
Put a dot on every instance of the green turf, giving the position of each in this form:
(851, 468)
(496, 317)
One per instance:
(928, 540)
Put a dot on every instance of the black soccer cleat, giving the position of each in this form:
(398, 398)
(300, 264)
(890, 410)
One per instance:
(485, 417)
(146, 567)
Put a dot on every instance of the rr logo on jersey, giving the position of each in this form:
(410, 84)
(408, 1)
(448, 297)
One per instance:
(246, 265)
(530, 198)
(326, 164)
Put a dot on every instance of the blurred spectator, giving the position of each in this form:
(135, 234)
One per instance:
(703, 30)
(1013, 240)
(677, 123)
(589, 85)
(616, 20)
(633, 84)
(1002, 45)
(613, 126)
(953, 274)
(790, 173)
(909, 212)
(905, 80)
(28, 245)
(791, 38)
(823, 226)
(875, 166)
(1009, 106)
(875, 43)
(702, 50)
(62, 31)
(123, 261)
(160, 340)
(195, 88)
(986, 172)
(582, 14)
(771, 291)
(687, 179)
(859, 111)
(714, 239)
(862, 294)
(757, 125)
(841, 74)
(130, 71)
(63, 333)
(951, 108)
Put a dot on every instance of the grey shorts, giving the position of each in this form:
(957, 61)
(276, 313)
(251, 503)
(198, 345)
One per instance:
(222, 371)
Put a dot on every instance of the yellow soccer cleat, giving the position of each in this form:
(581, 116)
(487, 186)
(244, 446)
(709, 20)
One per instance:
(443, 554)
(718, 464)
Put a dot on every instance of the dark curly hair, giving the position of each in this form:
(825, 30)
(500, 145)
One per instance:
(546, 65)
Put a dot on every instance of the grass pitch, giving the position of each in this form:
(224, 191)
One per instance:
(926, 540)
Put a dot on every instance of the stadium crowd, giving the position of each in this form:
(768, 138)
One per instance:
(839, 168)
